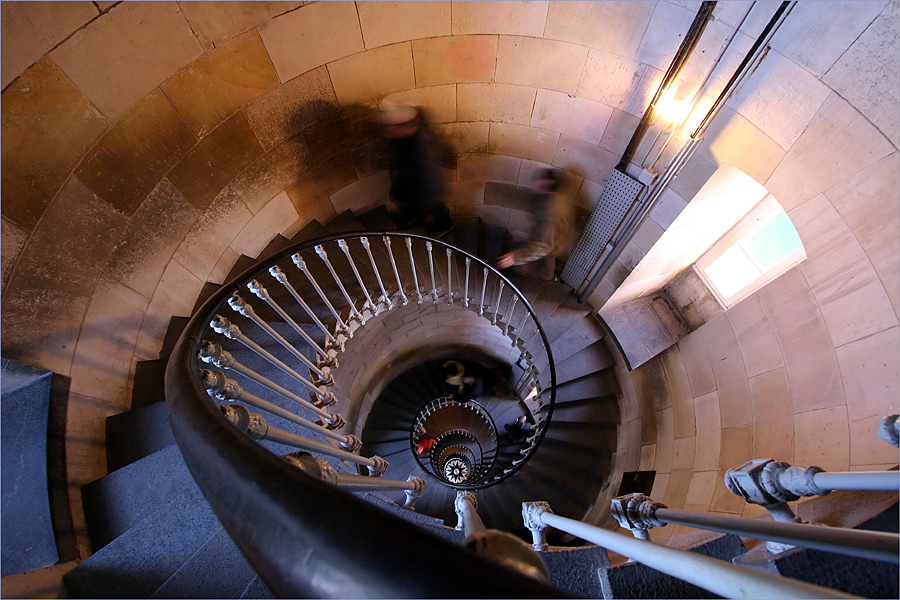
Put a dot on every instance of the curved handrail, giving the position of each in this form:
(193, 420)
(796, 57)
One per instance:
(294, 519)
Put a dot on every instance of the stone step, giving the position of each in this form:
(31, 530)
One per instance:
(139, 432)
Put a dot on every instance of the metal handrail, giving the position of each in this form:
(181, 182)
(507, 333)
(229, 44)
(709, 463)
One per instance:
(298, 519)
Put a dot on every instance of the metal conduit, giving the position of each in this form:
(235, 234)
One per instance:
(880, 481)
(874, 545)
(756, 52)
(719, 577)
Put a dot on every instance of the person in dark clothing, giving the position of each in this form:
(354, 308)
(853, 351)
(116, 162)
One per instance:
(415, 157)
(460, 387)
(550, 212)
(516, 430)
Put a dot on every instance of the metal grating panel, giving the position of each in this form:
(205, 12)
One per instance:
(620, 192)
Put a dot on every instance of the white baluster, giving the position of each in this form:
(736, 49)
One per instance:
(483, 288)
(434, 294)
(342, 244)
(355, 315)
(403, 298)
(384, 301)
(283, 280)
(412, 263)
(340, 325)
(466, 290)
(449, 279)
(497, 303)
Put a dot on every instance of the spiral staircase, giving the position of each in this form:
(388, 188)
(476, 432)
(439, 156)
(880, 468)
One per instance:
(155, 536)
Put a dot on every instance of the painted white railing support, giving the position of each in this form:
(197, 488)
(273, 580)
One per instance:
(466, 286)
(483, 289)
(412, 264)
(449, 294)
(221, 325)
(255, 426)
(719, 577)
(212, 353)
(531, 516)
(413, 495)
(384, 301)
(223, 388)
(322, 469)
(466, 505)
(889, 430)
(638, 513)
(340, 325)
(387, 242)
(434, 294)
(355, 315)
(281, 278)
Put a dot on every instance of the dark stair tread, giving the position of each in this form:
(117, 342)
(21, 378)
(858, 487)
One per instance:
(243, 263)
(465, 235)
(132, 435)
(585, 333)
(209, 288)
(586, 361)
(217, 570)
(575, 569)
(173, 332)
(148, 387)
(275, 246)
(591, 386)
(311, 231)
(377, 219)
(257, 588)
(116, 502)
(137, 562)
(346, 222)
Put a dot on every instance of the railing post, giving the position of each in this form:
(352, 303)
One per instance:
(283, 280)
(413, 495)
(483, 288)
(531, 515)
(497, 303)
(434, 294)
(340, 325)
(635, 512)
(385, 301)
(466, 288)
(466, 505)
(387, 242)
(449, 278)
(889, 430)
(412, 264)
(342, 244)
(512, 308)
(355, 315)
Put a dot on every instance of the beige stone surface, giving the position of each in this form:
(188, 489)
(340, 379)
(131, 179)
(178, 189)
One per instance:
(703, 485)
(102, 361)
(868, 73)
(311, 36)
(215, 22)
(668, 208)
(465, 193)
(868, 204)
(816, 38)
(226, 78)
(13, 239)
(737, 446)
(869, 371)
(665, 440)
(540, 63)
(780, 98)
(515, 18)
(386, 23)
(174, 296)
(589, 194)
(867, 449)
(724, 501)
(616, 81)
(709, 432)
(853, 307)
(223, 266)
(838, 143)
(272, 219)
(648, 455)
(212, 233)
(370, 75)
(618, 133)
(272, 172)
(438, 101)
(773, 432)
(47, 126)
(465, 138)
(455, 59)
(697, 363)
(684, 448)
(486, 167)
(577, 117)
(756, 338)
(362, 193)
(726, 140)
(285, 110)
(119, 58)
(805, 341)
(611, 26)
(524, 142)
(585, 159)
(501, 102)
(680, 393)
(660, 483)
(677, 489)
(821, 438)
(30, 29)
(728, 366)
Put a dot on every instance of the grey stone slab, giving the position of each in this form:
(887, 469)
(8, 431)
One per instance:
(576, 569)
(258, 589)
(150, 239)
(44, 304)
(132, 435)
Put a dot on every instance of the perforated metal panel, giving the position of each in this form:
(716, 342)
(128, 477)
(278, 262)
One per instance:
(620, 192)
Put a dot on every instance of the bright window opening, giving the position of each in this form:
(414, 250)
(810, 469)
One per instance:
(757, 250)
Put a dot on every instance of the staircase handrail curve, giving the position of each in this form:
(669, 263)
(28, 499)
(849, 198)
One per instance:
(483, 466)
(294, 512)
(477, 462)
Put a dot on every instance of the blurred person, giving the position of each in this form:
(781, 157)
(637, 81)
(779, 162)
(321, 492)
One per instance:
(550, 212)
(415, 157)
(460, 387)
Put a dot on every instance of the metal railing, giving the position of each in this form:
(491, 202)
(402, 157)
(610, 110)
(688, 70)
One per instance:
(284, 349)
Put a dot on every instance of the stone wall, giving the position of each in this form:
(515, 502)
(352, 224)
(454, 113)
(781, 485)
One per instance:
(147, 145)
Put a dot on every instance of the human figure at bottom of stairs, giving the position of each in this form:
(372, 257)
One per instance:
(516, 430)
(424, 446)
(460, 387)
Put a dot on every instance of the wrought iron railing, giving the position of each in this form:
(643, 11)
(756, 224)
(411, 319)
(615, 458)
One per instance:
(281, 351)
